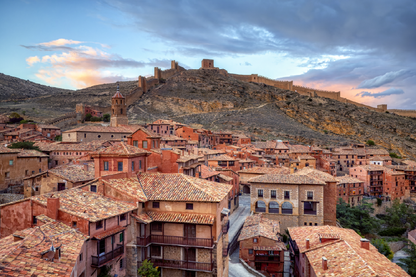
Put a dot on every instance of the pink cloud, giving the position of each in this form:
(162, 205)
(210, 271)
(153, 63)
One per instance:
(31, 60)
(60, 42)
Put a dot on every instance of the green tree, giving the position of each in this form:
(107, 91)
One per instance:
(104, 271)
(23, 121)
(409, 263)
(394, 155)
(106, 117)
(370, 142)
(95, 119)
(88, 117)
(357, 218)
(58, 138)
(23, 145)
(147, 270)
(383, 247)
(400, 215)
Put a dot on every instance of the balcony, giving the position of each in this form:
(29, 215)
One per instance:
(98, 261)
(271, 258)
(173, 240)
(180, 264)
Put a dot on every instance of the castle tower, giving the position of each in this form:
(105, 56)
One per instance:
(118, 110)
(142, 83)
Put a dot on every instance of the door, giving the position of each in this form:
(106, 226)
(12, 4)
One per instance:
(61, 186)
(190, 234)
(101, 247)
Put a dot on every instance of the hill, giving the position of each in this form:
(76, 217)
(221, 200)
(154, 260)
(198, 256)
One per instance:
(207, 98)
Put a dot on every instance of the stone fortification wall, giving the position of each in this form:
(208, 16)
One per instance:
(410, 113)
(278, 84)
(317, 92)
(244, 78)
(345, 100)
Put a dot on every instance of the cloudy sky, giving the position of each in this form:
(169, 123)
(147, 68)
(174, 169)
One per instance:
(365, 49)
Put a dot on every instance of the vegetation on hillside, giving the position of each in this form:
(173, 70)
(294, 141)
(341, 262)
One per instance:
(24, 145)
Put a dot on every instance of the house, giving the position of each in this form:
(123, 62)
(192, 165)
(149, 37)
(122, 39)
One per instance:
(144, 139)
(89, 133)
(350, 189)
(187, 133)
(333, 251)
(224, 161)
(248, 173)
(302, 161)
(164, 127)
(261, 245)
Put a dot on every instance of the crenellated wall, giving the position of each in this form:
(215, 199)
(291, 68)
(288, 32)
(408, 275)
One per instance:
(410, 113)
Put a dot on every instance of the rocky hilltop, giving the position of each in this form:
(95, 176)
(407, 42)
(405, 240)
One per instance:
(210, 99)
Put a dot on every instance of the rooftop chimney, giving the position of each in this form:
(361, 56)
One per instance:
(52, 205)
(307, 244)
(365, 243)
(324, 263)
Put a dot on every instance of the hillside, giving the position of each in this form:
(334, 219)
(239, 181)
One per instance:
(206, 98)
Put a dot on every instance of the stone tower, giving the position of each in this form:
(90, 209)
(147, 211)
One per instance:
(118, 110)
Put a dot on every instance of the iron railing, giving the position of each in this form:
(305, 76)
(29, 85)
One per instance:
(174, 240)
(98, 261)
(180, 264)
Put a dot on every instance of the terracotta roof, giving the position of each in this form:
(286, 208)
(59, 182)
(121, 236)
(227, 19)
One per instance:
(266, 170)
(371, 167)
(117, 95)
(150, 134)
(85, 204)
(109, 232)
(348, 180)
(128, 186)
(4, 150)
(27, 256)
(59, 146)
(222, 158)
(145, 218)
(182, 217)
(167, 121)
(102, 129)
(259, 226)
(75, 172)
(295, 179)
(187, 157)
(172, 138)
(317, 174)
(344, 254)
(306, 157)
(225, 177)
(121, 149)
(30, 153)
(180, 187)
(207, 172)
(298, 149)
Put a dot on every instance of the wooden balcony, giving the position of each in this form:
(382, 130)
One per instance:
(98, 261)
(173, 240)
(180, 264)
(270, 259)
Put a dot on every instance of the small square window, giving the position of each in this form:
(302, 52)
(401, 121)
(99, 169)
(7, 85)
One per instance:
(273, 194)
(132, 165)
(156, 205)
(310, 195)
(80, 257)
(122, 217)
(10, 162)
(287, 194)
(250, 251)
(120, 166)
(189, 206)
(93, 188)
(255, 240)
(105, 165)
(74, 224)
(98, 225)
(34, 220)
(260, 193)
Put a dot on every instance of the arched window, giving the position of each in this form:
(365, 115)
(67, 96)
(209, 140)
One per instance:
(246, 189)
(287, 208)
(260, 207)
(273, 207)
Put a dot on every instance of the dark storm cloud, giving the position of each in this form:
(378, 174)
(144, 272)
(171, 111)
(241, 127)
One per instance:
(383, 79)
(390, 91)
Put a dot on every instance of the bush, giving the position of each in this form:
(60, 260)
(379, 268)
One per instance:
(383, 247)
(379, 202)
(23, 121)
(106, 117)
(88, 117)
(394, 155)
(370, 142)
(58, 138)
(95, 119)
(392, 232)
(23, 145)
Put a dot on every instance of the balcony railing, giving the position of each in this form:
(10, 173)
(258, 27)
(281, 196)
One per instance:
(267, 258)
(173, 240)
(312, 212)
(98, 261)
(180, 264)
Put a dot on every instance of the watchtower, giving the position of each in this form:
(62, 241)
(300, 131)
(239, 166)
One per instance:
(118, 109)
(207, 63)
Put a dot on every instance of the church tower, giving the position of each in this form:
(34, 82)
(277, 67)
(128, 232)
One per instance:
(118, 110)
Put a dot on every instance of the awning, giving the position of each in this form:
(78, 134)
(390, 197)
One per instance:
(110, 232)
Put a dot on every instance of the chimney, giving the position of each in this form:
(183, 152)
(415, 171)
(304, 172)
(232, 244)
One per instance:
(324, 263)
(307, 244)
(365, 243)
(52, 207)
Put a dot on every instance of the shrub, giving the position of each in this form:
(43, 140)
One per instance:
(392, 232)
(23, 121)
(383, 247)
(370, 142)
(326, 131)
(379, 202)
(394, 155)
(88, 117)
(106, 117)
(95, 119)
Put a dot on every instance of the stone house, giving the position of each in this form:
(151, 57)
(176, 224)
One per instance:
(293, 200)
(187, 133)
(302, 161)
(248, 173)
(48, 131)
(164, 127)
(20, 163)
(333, 251)
(261, 245)
(224, 161)
(224, 137)
(350, 189)
(90, 133)
(173, 141)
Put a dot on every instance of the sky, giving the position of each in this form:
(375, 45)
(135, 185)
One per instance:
(365, 49)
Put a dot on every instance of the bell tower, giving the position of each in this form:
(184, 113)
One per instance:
(118, 109)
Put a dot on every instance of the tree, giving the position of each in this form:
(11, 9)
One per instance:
(58, 138)
(147, 270)
(370, 142)
(106, 117)
(357, 218)
(409, 263)
(24, 145)
(104, 271)
(88, 117)
(400, 215)
(383, 247)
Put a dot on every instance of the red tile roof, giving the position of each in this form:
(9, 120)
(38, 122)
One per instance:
(117, 95)
(110, 232)
(121, 149)
(182, 217)
(259, 226)
(286, 179)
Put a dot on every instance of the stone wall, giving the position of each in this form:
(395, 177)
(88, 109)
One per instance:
(131, 259)
(410, 113)
(396, 245)
(10, 197)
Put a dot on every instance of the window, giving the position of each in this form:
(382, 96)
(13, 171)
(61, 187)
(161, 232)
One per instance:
(255, 240)
(74, 224)
(132, 165)
(10, 162)
(99, 136)
(310, 195)
(157, 226)
(144, 144)
(121, 263)
(34, 220)
(122, 217)
(120, 166)
(156, 205)
(250, 251)
(105, 165)
(287, 194)
(7, 174)
(85, 135)
(153, 144)
(140, 164)
(231, 163)
(93, 188)
(135, 143)
(156, 251)
(273, 194)
(98, 225)
(260, 193)
(121, 236)
(80, 257)
(189, 206)
(304, 223)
